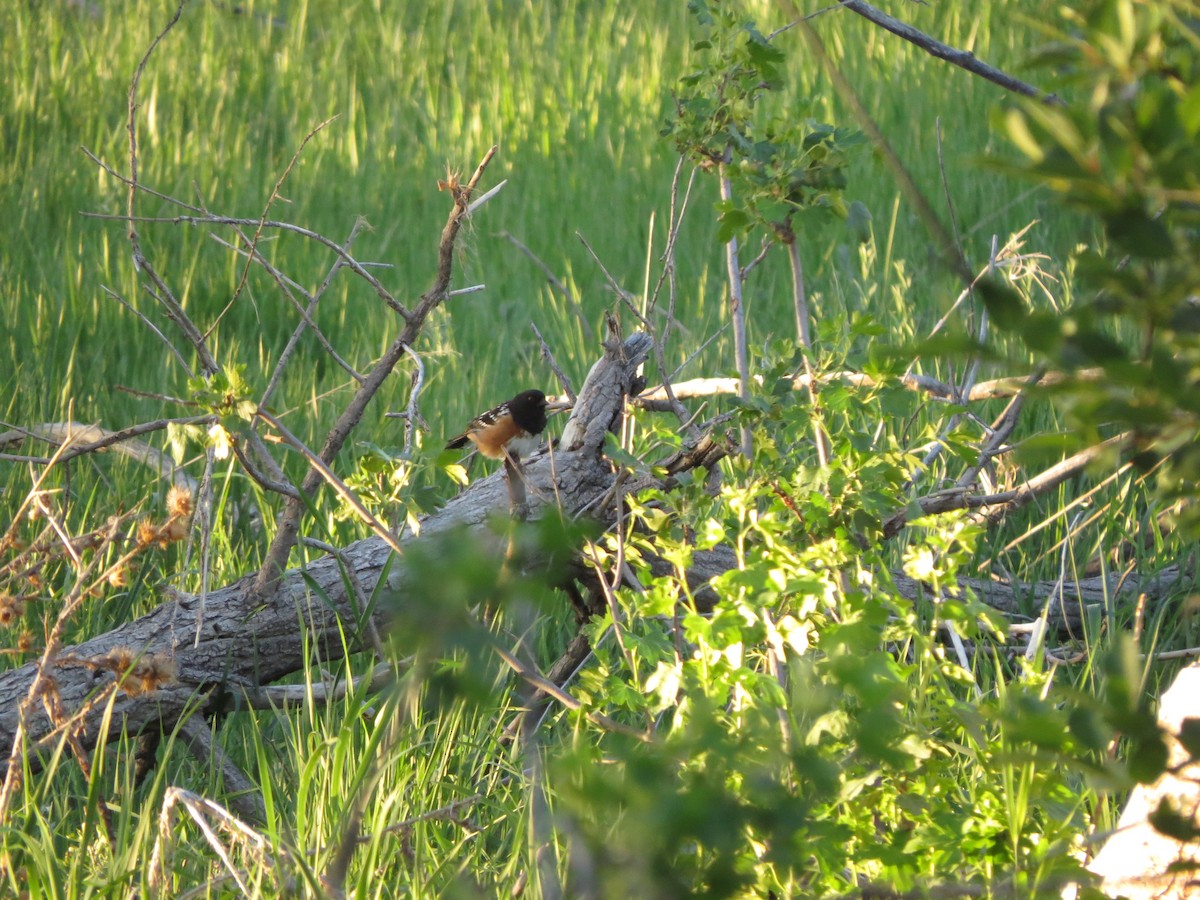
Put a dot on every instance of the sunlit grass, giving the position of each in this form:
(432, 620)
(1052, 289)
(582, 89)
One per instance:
(574, 99)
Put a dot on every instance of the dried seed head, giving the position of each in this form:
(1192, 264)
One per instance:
(154, 671)
(179, 501)
(25, 641)
(117, 660)
(119, 577)
(12, 608)
(147, 534)
(176, 529)
(451, 182)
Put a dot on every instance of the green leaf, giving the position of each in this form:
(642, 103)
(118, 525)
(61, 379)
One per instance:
(699, 9)
(618, 454)
(1003, 303)
(733, 222)
(1168, 820)
(1042, 332)
(1148, 758)
(1088, 728)
(1020, 134)
(858, 221)
(1140, 234)
(1189, 736)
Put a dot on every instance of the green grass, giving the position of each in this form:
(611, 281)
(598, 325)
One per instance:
(573, 98)
(574, 93)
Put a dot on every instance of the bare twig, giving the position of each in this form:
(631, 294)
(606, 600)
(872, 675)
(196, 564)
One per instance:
(99, 439)
(548, 355)
(993, 507)
(412, 415)
(14, 768)
(244, 795)
(655, 398)
(804, 338)
(799, 295)
(354, 265)
(964, 59)
(1001, 431)
(944, 240)
(549, 688)
(289, 288)
(171, 306)
(201, 811)
(677, 211)
(289, 522)
(262, 479)
(153, 328)
(252, 250)
(737, 311)
(284, 696)
(763, 250)
(483, 198)
(322, 469)
(556, 283)
(626, 298)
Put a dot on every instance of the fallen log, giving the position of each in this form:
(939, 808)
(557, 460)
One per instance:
(237, 639)
(1065, 603)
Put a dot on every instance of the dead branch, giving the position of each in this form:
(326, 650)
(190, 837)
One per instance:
(964, 59)
(289, 524)
(227, 647)
(86, 439)
(993, 507)
(1068, 601)
(656, 400)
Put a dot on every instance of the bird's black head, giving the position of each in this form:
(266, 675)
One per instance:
(528, 409)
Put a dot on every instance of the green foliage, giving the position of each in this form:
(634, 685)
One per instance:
(809, 729)
(780, 165)
(1127, 153)
(456, 582)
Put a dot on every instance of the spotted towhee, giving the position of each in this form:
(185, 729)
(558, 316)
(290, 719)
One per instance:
(511, 427)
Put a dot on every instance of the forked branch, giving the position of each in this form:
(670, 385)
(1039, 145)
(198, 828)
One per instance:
(289, 524)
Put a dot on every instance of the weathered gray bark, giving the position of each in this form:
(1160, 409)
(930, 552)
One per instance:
(241, 640)
(1067, 602)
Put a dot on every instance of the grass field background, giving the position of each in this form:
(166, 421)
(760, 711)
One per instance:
(574, 94)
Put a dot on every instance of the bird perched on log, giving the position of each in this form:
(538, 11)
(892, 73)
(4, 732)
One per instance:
(510, 429)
